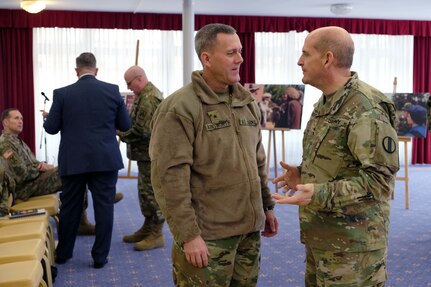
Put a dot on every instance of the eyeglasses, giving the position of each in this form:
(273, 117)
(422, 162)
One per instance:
(131, 81)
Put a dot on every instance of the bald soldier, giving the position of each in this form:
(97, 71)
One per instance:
(148, 97)
(350, 157)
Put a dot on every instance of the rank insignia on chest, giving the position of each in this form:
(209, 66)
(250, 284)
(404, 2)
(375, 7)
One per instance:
(216, 121)
(215, 117)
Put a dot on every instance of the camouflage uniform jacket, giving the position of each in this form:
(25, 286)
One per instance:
(138, 136)
(351, 155)
(7, 187)
(208, 162)
(21, 160)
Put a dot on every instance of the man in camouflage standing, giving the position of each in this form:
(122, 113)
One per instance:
(350, 156)
(148, 97)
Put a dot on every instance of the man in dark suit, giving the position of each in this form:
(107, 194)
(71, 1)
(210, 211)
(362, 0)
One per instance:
(87, 113)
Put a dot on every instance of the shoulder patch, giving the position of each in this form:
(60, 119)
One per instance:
(389, 144)
(7, 153)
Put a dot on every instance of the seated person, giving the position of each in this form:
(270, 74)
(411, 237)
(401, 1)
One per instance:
(7, 186)
(32, 177)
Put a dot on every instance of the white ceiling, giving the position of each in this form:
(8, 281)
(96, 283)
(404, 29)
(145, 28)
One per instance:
(370, 9)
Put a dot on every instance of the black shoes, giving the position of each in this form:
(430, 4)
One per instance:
(99, 265)
(60, 260)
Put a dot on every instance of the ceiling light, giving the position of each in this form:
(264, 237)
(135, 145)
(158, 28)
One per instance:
(33, 6)
(341, 8)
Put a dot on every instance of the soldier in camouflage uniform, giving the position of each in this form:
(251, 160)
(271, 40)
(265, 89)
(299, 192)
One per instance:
(208, 170)
(148, 97)
(7, 186)
(350, 156)
(31, 176)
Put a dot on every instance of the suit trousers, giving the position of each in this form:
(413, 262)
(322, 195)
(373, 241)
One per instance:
(102, 186)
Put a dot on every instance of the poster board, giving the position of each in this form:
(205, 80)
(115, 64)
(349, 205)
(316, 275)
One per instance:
(129, 99)
(280, 105)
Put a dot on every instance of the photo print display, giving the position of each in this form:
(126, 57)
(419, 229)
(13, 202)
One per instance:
(280, 105)
(412, 113)
(129, 99)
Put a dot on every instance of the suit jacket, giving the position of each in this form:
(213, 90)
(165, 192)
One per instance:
(87, 113)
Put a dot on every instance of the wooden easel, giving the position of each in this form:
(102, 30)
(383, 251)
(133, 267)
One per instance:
(129, 165)
(405, 140)
(272, 140)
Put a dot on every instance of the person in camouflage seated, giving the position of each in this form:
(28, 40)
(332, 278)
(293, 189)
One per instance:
(350, 156)
(148, 97)
(7, 187)
(31, 176)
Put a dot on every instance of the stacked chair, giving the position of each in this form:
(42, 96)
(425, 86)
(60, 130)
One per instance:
(27, 244)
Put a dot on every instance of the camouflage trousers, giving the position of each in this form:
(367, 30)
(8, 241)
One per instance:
(149, 207)
(345, 269)
(46, 183)
(233, 261)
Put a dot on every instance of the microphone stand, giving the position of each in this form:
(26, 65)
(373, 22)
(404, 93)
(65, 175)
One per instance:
(43, 134)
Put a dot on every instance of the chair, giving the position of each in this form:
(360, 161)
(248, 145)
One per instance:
(22, 274)
(44, 218)
(28, 230)
(24, 250)
(49, 202)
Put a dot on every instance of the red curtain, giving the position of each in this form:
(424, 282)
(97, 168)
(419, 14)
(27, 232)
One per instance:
(421, 148)
(16, 77)
(248, 67)
(50, 18)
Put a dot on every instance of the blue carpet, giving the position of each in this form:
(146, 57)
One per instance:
(409, 259)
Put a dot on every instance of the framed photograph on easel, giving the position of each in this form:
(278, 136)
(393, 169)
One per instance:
(412, 113)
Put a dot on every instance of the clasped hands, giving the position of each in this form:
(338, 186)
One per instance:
(290, 181)
(44, 114)
(44, 166)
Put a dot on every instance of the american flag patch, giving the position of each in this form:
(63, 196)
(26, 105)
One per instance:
(7, 153)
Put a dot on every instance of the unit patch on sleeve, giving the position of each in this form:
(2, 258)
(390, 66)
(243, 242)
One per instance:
(389, 144)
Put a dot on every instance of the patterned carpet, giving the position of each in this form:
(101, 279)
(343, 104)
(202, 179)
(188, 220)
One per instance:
(409, 259)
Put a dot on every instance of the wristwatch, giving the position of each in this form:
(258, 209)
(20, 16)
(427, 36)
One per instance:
(271, 207)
